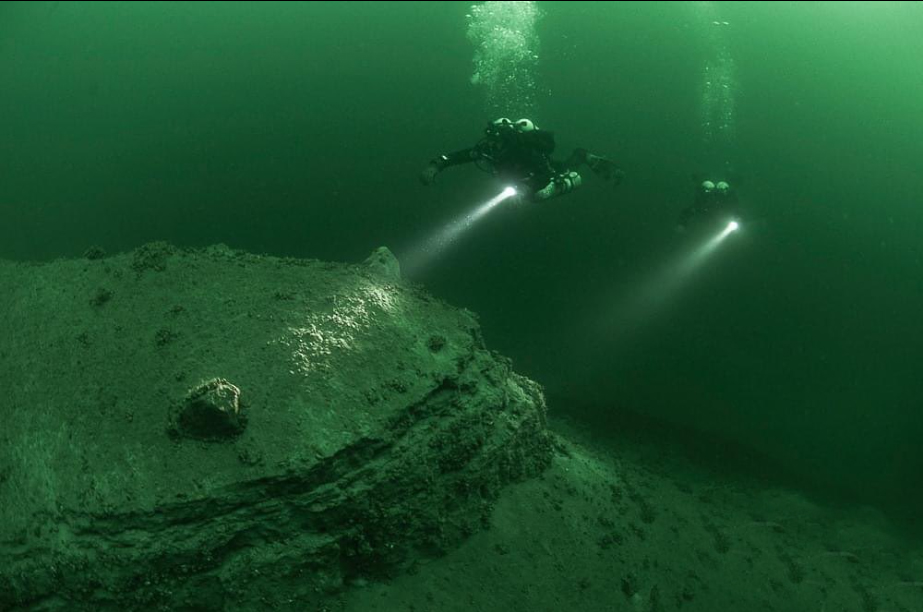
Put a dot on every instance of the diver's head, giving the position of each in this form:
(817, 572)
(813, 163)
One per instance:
(524, 125)
(723, 187)
(498, 126)
(707, 186)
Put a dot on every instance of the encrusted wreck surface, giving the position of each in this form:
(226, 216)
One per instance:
(208, 429)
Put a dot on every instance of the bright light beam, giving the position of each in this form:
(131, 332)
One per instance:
(437, 243)
(657, 291)
(694, 260)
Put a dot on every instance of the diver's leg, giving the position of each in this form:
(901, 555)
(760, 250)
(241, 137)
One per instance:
(602, 167)
(576, 159)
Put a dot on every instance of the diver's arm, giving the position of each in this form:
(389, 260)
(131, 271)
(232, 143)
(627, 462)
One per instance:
(437, 165)
(465, 156)
(686, 215)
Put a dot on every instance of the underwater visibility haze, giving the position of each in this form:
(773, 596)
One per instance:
(718, 267)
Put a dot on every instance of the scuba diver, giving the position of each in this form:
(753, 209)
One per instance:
(520, 152)
(712, 199)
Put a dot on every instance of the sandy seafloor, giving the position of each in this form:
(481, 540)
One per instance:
(624, 524)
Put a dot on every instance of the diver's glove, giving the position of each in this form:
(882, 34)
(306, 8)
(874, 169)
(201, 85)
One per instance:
(429, 173)
(617, 175)
(518, 199)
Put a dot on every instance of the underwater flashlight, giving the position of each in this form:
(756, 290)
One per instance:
(732, 226)
(508, 192)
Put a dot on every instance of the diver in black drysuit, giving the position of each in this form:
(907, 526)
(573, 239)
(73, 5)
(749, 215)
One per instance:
(520, 153)
(712, 199)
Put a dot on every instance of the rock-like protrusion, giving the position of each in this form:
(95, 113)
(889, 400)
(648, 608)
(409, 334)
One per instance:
(383, 262)
(380, 429)
(211, 411)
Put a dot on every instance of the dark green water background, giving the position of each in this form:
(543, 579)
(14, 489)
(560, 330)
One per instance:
(299, 129)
